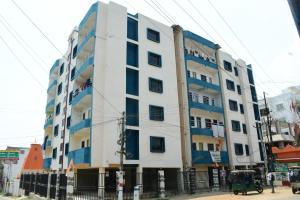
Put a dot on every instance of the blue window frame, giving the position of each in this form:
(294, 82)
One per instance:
(156, 113)
(256, 112)
(68, 122)
(74, 52)
(253, 93)
(227, 66)
(132, 81)
(70, 97)
(54, 153)
(56, 129)
(59, 89)
(230, 85)
(61, 69)
(250, 76)
(73, 73)
(132, 144)
(155, 85)
(157, 144)
(154, 59)
(132, 58)
(153, 35)
(57, 109)
(132, 112)
(67, 149)
(236, 126)
(132, 29)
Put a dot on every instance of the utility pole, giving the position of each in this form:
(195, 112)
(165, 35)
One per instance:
(122, 152)
(269, 131)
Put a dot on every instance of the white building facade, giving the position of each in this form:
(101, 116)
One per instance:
(123, 63)
(244, 141)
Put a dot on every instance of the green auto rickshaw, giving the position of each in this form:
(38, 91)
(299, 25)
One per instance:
(294, 176)
(244, 181)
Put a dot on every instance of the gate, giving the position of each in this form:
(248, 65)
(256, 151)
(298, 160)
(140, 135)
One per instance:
(62, 193)
(53, 185)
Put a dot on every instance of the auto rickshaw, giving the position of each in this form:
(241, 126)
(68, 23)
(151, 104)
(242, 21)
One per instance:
(244, 181)
(295, 178)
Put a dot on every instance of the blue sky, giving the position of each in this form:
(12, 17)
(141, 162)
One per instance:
(265, 27)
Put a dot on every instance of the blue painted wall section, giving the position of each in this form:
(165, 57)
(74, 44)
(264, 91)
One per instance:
(199, 39)
(80, 156)
(204, 157)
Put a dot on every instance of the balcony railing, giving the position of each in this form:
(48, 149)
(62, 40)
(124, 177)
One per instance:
(52, 85)
(201, 61)
(83, 66)
(48, 122)
(86, 123)
(54, 66)
(92, 9)
(204, 157)
(202, 131)
(80, 156)
(204, 84)
(47, 163)
(48, 143)
(206, 107)
(82, 92)
(50, 105)
(85, 40)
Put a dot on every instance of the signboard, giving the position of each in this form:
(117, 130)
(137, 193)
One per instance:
(215, 179)
(9, 155)
(215, 156)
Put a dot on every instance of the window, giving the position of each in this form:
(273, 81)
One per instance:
(230, 85)
(74, 52)
(215, 122)
(68, 122)
(236, 126)
(198, 119)
(73, 73)
(241, 108)
(210, 147)
(61, 69)
(54, 153)
(132, 29)
(227, 66)
(194, 74)
(132, 82)
(238, 148)
(244, 128)
(153, 35)
(66, 148)
(83, 116)
(200, 146)
(157, 144)
(250, 76)
(207, 123)
(190, 96)
(203, 78)
(156, 113)
(155, 85)
(253, 93)
(56, 129)
(236, 73)
(132, 112)
(57, 109)
(256, 112)
(233, 105)
(132, 144)
(206, 100)
(238, 88)
(132, 54)
(189, 73)
(154, 59)
(192, 121)
(82, 144)
(194, 146)
(59, 89)
(70, 97)
(247, 149)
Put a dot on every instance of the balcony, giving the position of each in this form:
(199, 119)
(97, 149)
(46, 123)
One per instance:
(204, 157)
(206, 107)
(85, 41)
(197, 83)
(82, 97)
(202, 131)
(48, 122)
(48, 143)
(80, 156)
(201, 61)
(47, 163)
(199, 39)
(54, 68)
(50, 106)
(92, 9)
(81, 126)
(85, 69)
(52, 87)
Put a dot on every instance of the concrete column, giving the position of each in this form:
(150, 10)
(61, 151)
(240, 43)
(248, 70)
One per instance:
(180, 181)
(49, 185)
(70, 185)
(139, 178)
(101, 183)
(57, 186)
(161, 178)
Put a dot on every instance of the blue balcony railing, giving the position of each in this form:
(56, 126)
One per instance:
(81, 125)
(201, 61)
(50, 105)
(84, 66)
(204, 157)
(85, 40)
(49, 122)
(199, 39)
(76, 99)
(92, 9)
(52, 85)
(206, 107)
(47, 163)
(204, 84)
(202, 131)
(80, 156)
(54, 66)
(48, 143)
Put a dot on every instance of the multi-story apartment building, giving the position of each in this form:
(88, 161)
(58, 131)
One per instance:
(202, 113)
(116, 62)
(244, 141)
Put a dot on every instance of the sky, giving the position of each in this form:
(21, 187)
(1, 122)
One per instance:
(266, 28)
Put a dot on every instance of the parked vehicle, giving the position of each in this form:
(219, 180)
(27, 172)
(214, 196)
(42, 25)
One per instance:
(244, 181)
